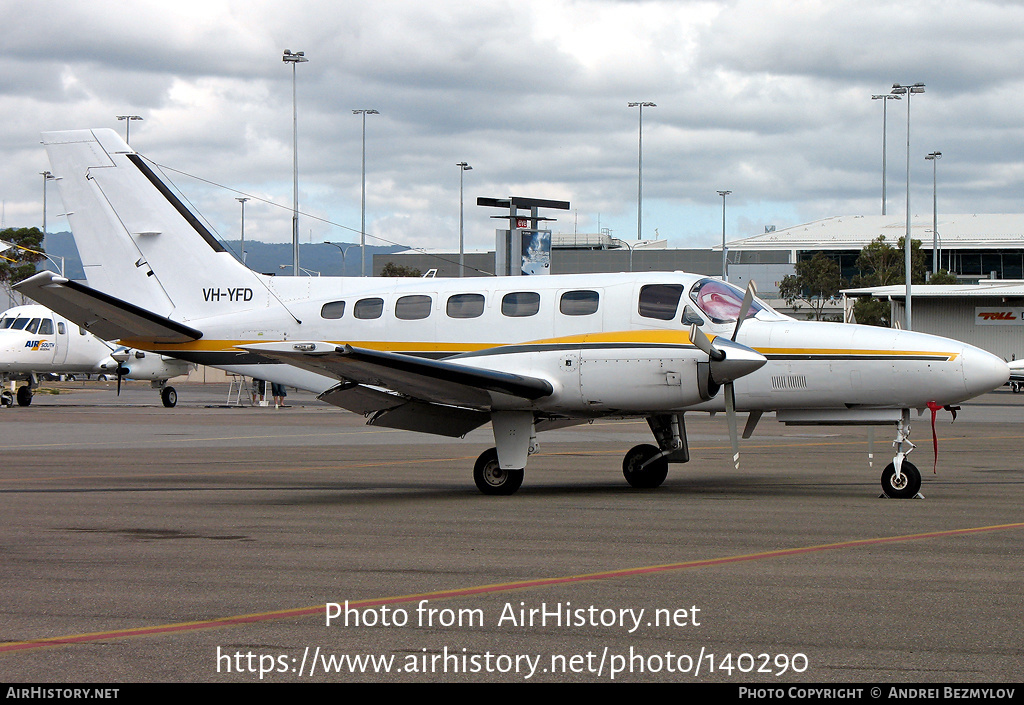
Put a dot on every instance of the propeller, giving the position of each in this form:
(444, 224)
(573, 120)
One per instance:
(121, 355)
(730, 361)
(748, 301)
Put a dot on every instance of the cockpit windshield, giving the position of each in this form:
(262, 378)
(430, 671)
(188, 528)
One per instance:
(721, 302)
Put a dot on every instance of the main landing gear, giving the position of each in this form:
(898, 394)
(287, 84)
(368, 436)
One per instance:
(24, 396)
(169, 397)
(491, 479)
(644, 467)
(901, 479)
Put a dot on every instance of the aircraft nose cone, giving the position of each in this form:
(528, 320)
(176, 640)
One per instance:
(983, 371)
(739, 361)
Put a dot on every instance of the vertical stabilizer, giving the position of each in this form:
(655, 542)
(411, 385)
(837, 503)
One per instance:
(138, 242)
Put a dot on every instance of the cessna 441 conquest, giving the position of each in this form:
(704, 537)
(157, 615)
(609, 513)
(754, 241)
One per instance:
(446, 356)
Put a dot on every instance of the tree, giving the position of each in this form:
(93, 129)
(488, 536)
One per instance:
(881, 264)
(17, 264)
(399, 270)
(943, 277)
(817, 282)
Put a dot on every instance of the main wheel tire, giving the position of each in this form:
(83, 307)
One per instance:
(24, 396)
(908, 485)
(169, 397)
(644, 478)
(491, 479)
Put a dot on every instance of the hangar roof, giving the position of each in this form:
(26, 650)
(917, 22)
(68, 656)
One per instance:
(995, 287)
(972, 232)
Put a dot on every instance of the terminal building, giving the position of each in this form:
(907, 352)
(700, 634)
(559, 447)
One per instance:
(984, 251)
(974, 247)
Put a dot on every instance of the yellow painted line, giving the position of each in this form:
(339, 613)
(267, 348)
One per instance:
(489, 589)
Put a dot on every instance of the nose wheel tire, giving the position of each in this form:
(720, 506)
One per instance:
(644, 477)
(908, 485)
(6, 398)
(492, 479)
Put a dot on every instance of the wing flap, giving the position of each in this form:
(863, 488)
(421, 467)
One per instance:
(103, 315)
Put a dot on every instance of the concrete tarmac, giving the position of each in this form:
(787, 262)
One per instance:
(202, 543)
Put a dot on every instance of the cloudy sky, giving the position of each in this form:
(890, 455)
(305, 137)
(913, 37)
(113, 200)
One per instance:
(769, 99)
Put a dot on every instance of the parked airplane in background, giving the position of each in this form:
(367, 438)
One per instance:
(35, 341)
(446, 356)
(1016, 375)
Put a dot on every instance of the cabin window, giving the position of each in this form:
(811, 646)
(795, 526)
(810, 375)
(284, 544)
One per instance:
(333, 309)
(579, 303)
(60, 328)
(368, 308)
(413, 308)
(520, 303)
(465, 306)
(46, 327)
(660, 301)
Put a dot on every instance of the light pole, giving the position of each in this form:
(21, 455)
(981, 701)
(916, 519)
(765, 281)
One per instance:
(47, 176)
(908, 91)
(362, 203)
(725, 271)
(128, 125)
(463, 168)
(934, 158)
(295, 58)
(343, 250)
(242, 201)
(885, 98)
(640, 166)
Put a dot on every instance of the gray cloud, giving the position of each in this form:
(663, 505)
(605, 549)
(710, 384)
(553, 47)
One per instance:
(771, 100)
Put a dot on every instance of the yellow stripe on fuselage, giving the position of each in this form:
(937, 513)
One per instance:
(641, 337)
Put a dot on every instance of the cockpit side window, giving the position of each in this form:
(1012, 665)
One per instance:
(33, 325)
(660, 301)
(720, 301)
(46, 327)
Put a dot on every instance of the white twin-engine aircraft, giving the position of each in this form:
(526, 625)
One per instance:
(35, 341)
(445, 356)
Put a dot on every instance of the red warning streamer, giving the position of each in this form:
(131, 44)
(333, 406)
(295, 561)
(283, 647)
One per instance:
(935, 439)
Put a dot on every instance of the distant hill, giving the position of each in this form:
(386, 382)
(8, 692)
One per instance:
(265, 257)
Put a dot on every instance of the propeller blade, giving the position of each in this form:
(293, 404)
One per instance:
(730, 414)
(701, 340)
(748, 300)
(120, 372)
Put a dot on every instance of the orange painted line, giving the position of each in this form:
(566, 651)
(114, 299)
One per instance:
(485, 589)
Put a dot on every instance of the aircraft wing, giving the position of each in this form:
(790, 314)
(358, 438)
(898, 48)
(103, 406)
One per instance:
(404, 391)
(420, 378)
(107, 317)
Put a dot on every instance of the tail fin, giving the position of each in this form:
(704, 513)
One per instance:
(138, 242)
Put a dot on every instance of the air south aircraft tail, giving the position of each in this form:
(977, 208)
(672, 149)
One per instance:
(139, 243)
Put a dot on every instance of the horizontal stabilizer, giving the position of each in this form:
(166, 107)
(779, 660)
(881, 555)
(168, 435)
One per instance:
(416, 377)
(107, 317)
